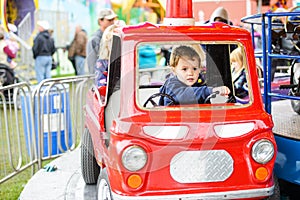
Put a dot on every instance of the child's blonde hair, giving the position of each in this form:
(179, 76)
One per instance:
(183, 51)
(237, 56)
(106, 42)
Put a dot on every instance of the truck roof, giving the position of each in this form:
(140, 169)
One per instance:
(225, 31)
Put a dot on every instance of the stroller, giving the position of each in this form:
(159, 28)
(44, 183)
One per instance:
(7, 77)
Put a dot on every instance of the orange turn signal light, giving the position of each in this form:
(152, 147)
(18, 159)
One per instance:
(134, 181)
(261, 173)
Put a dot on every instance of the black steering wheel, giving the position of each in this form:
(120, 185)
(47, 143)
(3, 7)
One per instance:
(231, 98)
(211, 96)
(154, 104)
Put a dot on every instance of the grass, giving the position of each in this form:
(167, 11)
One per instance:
(11, 189)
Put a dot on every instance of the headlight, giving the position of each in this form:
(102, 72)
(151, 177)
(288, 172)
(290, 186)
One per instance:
(166, 132)
(262, 151)
(134, 158)
(233, 130)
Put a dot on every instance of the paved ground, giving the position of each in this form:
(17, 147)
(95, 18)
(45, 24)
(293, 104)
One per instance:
(65, 183)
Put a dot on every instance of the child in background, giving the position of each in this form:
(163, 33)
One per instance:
(12, 44)
(238, 73)
(14, 47)
(186, 85)
(104, 53)
(101, 67)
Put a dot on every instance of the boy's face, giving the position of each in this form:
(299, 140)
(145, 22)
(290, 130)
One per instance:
(187, 70)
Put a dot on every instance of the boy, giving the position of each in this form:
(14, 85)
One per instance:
(186, 85)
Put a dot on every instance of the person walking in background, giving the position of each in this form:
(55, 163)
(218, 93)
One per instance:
(43, 49)
(106, 17)
(77, 50)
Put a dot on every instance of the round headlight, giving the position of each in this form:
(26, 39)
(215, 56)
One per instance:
(134, 158)
(263, 151)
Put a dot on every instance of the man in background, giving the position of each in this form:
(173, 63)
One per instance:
(77, 50)
(106, 17)
(43, 49)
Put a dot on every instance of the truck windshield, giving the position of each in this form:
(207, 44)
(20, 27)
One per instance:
(191, 74)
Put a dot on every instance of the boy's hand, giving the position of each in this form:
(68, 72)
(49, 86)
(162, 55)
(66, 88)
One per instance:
(223, 90)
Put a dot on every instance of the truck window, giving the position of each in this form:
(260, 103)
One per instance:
(217, 65)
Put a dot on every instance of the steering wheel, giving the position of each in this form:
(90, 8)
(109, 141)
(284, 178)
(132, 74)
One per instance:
(231, 98)
(211, 96)
(154, 104)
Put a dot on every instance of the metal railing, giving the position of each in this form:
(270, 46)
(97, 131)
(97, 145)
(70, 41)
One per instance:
(24, 34)
(40, 122)
(266, 22)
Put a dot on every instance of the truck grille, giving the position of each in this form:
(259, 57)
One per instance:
(201, 166)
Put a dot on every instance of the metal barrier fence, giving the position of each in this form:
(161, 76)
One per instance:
(24, 34)
(40, 122)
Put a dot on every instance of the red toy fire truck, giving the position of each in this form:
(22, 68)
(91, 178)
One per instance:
(137, 149)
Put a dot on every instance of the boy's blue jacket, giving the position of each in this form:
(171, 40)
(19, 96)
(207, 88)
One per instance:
(182, 93)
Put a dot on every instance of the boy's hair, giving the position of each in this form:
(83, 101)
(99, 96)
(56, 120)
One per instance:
(183, 51)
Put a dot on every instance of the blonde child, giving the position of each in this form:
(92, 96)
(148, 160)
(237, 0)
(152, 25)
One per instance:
(186, 85)
(101, 68)
(238, 73)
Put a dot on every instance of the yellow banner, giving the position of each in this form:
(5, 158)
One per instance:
(127, 5)
(3, 15)
(36, 3)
